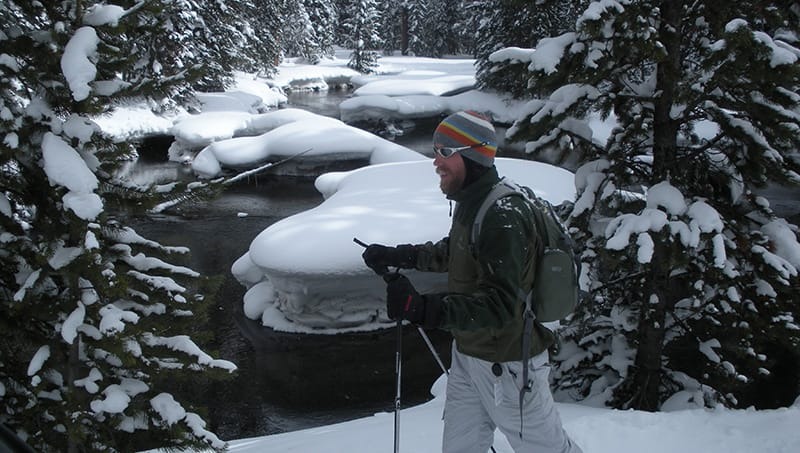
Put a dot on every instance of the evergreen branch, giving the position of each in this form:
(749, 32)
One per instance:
(618, 280)
(126, 191)
(709, 144)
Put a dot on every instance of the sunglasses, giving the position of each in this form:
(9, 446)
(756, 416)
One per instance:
(446, 152)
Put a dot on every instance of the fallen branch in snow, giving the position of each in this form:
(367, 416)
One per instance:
(192, 190)
(257, 170)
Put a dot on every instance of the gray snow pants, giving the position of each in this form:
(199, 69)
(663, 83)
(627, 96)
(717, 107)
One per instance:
(478, 402)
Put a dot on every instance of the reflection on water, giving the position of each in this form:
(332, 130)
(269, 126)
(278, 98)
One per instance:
(319, 102)
(145, 173)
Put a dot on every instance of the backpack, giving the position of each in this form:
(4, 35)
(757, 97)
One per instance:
(555, 291)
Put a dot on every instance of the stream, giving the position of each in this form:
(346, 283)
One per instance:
(284, 381)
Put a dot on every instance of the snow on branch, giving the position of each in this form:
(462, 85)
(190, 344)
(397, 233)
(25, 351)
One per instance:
(549, 52)
(29, 282)
(103, 14)
(157, 282)
(36, 363)
(76, 62)
(69, 329)
(198, 427)
(183, 343)
(118, 396)
(90, 381)
(172, 412)
(513, 55)
(784, 268)
(620, 230)
(588, 180)
(781, 53)
(597, 9)
(142, 262)
(560, 101)
(667, 196)
(784, 240)
(128, 235)
(707, 348)
(113, 319)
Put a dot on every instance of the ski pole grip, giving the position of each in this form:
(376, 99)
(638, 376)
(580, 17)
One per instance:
(383, 271)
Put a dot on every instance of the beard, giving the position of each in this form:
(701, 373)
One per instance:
(450, 183)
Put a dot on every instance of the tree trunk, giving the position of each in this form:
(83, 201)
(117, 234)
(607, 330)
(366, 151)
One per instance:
(668, 74)
(647, 375)
(73, 365)
(404, 31)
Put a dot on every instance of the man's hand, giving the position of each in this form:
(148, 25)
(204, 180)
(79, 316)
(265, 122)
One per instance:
(403, 300)
(379, 257)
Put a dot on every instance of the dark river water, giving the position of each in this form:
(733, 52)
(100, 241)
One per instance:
(285, 381)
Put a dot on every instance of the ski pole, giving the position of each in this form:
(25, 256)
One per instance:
(399, 371)
(419, 328)
(398, 362)
(433, 350)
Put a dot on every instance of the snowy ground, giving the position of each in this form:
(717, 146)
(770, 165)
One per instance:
(596, 430)
(235, 131)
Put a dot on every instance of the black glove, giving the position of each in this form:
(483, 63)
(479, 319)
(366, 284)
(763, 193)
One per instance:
(379, 257)
(403, 301)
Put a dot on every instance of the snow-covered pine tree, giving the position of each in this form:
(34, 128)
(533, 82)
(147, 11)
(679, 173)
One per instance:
(442, 25)
(418, 37)
(242, 34)
(434, 27)
(395, 25)
(692, 278)
(513, 23)
(391, 22)
(298, 35)
(362, 35)
(94, 316)
(308, 32)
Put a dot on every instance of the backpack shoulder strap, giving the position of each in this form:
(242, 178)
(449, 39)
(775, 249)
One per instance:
(503, 188)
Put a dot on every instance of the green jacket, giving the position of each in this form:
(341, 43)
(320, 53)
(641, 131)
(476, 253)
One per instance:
(482, 308)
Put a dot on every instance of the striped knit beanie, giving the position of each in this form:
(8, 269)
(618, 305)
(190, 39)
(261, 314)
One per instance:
(468, 128)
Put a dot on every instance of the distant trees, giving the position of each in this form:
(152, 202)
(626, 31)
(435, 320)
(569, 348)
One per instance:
(692, 277)
(393, 27)
(309, 32)
(444, 29)
(362, 35)
(93, 317)
(428, 28)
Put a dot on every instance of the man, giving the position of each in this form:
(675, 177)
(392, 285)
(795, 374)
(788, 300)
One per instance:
(482, 308)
